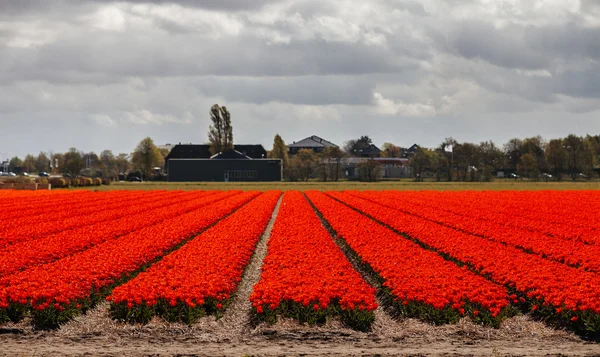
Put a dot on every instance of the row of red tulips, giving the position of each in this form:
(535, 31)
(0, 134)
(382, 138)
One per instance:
(551, 213)
(47, 249)
(54, 292)
(306, 276)
(201, 276)
(421, 283)
(16, 204)
(78, 205)
(571, 252)
(568, 295)
(58, 217)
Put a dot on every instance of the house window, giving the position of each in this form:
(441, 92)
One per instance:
(250, 174)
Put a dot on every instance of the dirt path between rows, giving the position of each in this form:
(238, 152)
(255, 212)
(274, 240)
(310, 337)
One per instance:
(96, 334)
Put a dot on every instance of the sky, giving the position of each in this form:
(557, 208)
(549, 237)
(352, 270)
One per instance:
(101, 75)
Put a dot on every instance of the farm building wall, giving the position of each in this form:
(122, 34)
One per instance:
(186, 170)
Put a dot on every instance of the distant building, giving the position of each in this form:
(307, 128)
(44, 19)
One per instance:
(245, 163)
(408, 153)
(168, 147)
(314, 143)
(391, 167)
(194, 151)
(370, 151)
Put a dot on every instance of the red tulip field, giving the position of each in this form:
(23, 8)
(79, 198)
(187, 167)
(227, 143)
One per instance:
(177, 256)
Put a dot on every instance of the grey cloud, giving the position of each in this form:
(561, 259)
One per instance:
(414, 7)
(63, 10)
(228, 5)
(151, 56)
(273, 61)
(309, 90)
(590, 5)
(525, 47)
(571, 41)
(505, 48)
(582, 84)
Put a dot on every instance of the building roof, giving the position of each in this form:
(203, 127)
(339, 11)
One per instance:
(228, 155)
(370, 150)
(386, 160)
(193, 151)
(312, 142)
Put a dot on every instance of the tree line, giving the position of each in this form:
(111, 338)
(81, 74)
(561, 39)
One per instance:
(572, 157)
(141, 162)
(326, 165)
(74, 162)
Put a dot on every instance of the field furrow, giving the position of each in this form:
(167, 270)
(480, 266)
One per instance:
(201, 276)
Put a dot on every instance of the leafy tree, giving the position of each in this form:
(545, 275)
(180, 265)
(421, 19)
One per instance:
(513, 152)
(590, 149)
(220, 134)
(334, 156)
(73, 162)
(419, 163)
(60, 159)
(437, 163)
(528, 166)
(449, 142)
(535, 146)
(390, 150)
(466, 156)
(369, 170)
(122, 163)
(279, 151)
(575, 149)
(355, 146)
(164, 152)
(557, 157)
(304, 163)
(594, 148)
(29, 163)
(146, 156)
(14, 163)
(92, 162)
(42, 162)
(330, 163)
(491, 158)
(108, 164)
(322, 167)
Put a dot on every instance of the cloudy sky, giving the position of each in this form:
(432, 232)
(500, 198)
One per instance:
(102, 75)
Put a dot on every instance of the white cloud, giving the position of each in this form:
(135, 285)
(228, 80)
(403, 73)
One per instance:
(147, 117)
(109, 18)
(104, 120)
(390, 107)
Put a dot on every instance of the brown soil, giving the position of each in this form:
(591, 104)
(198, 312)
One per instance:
(96, 334)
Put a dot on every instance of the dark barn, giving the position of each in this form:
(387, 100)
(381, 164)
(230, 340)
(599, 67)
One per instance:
(228, 166)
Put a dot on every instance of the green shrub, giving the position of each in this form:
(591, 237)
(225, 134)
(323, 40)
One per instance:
(18, 179)
(59, 182)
